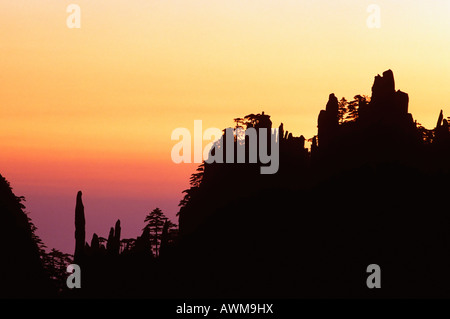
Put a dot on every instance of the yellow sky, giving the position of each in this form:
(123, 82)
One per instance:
(138, 69)
(111, 92)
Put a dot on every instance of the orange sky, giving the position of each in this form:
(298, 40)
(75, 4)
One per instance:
(93, 108)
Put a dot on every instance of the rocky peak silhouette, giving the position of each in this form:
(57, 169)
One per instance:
(372, 189)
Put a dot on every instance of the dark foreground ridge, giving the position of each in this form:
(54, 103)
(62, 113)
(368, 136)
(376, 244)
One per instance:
(21, 269)
(372, 189)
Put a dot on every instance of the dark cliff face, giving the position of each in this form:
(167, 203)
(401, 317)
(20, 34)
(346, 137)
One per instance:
(22, 272)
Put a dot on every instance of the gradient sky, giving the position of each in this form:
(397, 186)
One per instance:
(93, 109)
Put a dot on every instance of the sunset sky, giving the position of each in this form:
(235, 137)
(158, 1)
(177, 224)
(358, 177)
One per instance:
(93, 108)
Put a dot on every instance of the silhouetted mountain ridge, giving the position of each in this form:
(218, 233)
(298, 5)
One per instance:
(22, 271)
(372, 189)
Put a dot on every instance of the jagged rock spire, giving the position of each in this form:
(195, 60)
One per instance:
(385, 99)
(117, 231)
(332, 106)
(95, 243)
(113, 244)
(80, 231)
(328, 121)
(383, 86)
(440, 118)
